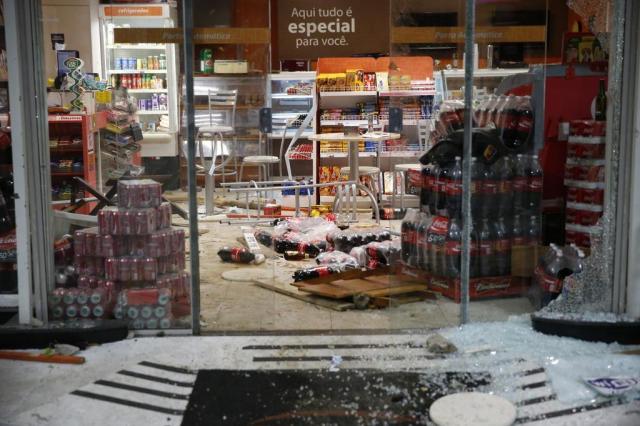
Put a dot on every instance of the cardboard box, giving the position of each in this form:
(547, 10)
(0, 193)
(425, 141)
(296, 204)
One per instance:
(524, 260)
(479, 288)
(224, 66)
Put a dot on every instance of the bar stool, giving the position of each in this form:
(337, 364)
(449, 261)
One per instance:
(401, 169)
(263, 162)
(374, 172)
(222, 117)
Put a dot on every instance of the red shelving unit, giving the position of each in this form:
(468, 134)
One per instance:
(75, 126)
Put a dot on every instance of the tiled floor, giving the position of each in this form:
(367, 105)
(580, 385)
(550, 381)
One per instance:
(243, 306)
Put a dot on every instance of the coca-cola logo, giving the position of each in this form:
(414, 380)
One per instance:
(454, 188)
(485, 286)
(535, 184)
(490, 187)
(439, 225)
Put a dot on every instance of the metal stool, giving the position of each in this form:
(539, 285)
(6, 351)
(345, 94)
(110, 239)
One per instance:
(222, 113)
(374, 172)
(401, 169)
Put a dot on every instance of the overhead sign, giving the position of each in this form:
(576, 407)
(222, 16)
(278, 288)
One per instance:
(510, 34)
(133, 11)
(308, 29)
(200, 35)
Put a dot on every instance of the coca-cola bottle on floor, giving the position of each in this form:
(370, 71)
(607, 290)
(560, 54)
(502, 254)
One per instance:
(436, 239)
(454, 189)
(486, 259)
(504, 195)
(489, 191)
(502, 248)
(534, 185)
(520, 184)
(453, 248)
(477, 171)
(525, 122)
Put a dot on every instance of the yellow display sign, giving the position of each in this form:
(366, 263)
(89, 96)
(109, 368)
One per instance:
(103, 96)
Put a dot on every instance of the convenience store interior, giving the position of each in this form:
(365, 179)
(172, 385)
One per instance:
(266, 98)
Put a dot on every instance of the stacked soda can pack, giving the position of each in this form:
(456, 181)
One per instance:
(584, 180)
(82, 303)
(132, 253)
(506, 199)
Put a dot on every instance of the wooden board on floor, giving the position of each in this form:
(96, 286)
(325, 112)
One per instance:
(315, 300)
(373, 288)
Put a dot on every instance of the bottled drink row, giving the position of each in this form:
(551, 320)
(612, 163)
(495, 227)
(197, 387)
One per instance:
(511, 115)
(138, 81)
(434, 243)
(510, 185)
(152, 62)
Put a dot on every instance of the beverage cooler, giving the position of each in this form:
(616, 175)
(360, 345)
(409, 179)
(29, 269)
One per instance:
(148, 71)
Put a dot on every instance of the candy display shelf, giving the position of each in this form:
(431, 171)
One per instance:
(81, 155)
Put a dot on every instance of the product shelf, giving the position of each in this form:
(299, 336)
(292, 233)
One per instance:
(348, 93)
(292, 97)
(147, 90)
(406, 93)
(146, 71)
(137, 46)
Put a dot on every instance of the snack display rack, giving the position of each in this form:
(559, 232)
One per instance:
(73, 147)
(349, 90)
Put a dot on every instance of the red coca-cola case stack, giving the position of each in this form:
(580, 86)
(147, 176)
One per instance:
(584, 180)
(131, 254)
(506, 204)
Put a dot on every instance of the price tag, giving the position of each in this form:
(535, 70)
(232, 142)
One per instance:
(103, 96)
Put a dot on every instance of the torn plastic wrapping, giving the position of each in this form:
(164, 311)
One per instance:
(304, 235)
(342, 259)
(382, 253)
(345, 240)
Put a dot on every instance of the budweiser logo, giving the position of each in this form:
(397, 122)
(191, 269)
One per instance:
(488, 286)
(437, 282)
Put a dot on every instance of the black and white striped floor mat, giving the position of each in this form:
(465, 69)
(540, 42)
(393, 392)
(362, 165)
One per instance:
(158, 393)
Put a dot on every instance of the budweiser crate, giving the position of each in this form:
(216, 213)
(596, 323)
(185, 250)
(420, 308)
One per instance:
(480, 288)
(524, 260)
